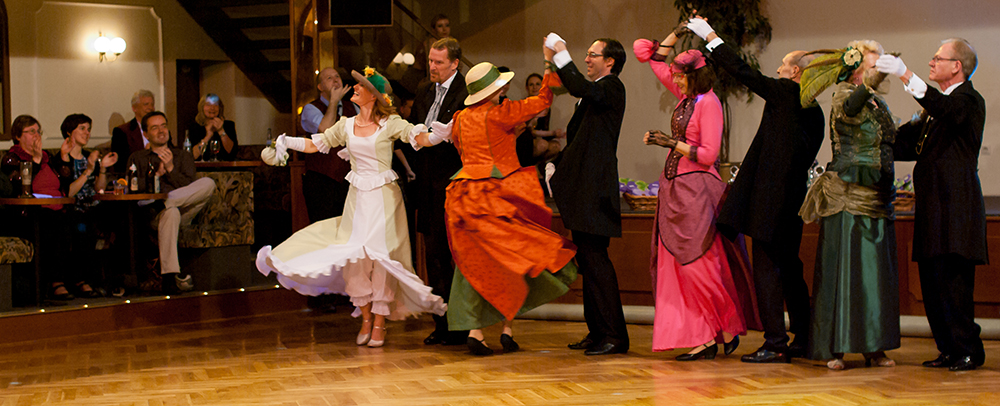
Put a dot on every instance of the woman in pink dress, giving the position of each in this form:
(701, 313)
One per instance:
(692, 283)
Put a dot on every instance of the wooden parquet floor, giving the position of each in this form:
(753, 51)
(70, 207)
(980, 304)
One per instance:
(302, 358)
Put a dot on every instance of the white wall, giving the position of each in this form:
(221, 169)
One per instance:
(914, 28)
(55, 72)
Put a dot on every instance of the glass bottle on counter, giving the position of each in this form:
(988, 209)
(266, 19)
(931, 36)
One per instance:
(133, 179)
(25, 169)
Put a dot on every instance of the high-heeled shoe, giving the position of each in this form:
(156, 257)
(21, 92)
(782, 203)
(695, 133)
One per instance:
(377, 343)
(477, 347)
(708, 353)
(364, 338)
(731, 346)
(508, 343)
(63, 297)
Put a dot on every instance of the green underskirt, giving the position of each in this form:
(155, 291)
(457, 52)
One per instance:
(468, 310)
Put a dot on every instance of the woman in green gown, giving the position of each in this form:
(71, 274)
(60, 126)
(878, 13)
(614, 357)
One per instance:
(855, 286)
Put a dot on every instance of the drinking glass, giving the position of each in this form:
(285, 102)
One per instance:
(215, 146)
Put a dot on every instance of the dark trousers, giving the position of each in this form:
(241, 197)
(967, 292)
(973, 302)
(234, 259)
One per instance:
(324, 196)
(602, 304)
(947, 283)
(778, 281)
(437, 252)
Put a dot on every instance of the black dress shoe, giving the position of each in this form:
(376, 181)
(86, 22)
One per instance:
(455, 338)
(963, 364)
(796, 350)
(477, 347)
(731, 346)
(942, 361)
(763, 356)
(434, 338)
(708, 353)
(508, 343)
(585, 344)
(606, 348)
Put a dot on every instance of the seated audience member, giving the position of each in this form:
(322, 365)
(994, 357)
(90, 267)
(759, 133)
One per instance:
(211, 125)
(86, 172)
(26, 133)
(128, 138)
(186, 196)
(537, 144)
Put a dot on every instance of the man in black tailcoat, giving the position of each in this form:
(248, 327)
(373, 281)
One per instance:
(765, 198)
(438, 100)
(585, 185)
(949, 237)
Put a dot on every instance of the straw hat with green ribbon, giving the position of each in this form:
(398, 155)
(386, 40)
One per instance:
(483, 80)
(376, 84)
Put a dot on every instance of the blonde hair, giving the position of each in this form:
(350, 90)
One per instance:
(866, 46)
(200, 118)
(380, 111)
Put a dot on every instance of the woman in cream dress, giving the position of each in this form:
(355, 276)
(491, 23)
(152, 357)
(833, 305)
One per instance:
(365, 253)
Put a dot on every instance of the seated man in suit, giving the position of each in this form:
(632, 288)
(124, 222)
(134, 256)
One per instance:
(128, 138)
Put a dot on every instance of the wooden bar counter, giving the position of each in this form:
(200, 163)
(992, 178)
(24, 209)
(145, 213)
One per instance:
(630, 254)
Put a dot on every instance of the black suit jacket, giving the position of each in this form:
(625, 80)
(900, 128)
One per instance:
(765, 198)
(126, 139)
(585, 185)
(950, 216)
(435, 165)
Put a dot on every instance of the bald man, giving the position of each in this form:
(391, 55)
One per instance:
(764, 201)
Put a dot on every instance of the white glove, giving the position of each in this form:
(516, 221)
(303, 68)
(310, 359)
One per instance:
(441, 130)
(550, 169)
(275, 155)
(552, 39)
(700, 27)
(280, 148)
(891, 65)
(292, 143)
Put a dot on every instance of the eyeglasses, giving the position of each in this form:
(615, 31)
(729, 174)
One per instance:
(593, 55)
(678, 74)
(31, 131)
(938, 59)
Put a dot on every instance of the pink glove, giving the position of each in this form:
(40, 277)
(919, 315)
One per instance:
(644, 49)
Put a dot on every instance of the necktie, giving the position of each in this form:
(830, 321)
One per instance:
(436, 107)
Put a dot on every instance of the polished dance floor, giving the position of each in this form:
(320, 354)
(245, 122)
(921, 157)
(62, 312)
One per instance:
(306, 358)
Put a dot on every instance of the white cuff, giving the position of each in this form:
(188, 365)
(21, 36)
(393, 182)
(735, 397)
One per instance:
(416, 130)
(321, 146)
(295, 143)
(917, 87)
(562, 58)
(713, 43)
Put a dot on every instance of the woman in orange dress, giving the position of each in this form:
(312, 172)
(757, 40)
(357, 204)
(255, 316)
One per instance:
(509, 260)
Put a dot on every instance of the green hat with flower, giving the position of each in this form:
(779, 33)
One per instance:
(375, 83)
(832, 67)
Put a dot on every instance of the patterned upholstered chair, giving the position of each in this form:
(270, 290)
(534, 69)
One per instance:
(215, 247)
(13, 250)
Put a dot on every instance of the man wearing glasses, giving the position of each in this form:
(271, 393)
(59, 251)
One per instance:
(585, 187)
(949, 238)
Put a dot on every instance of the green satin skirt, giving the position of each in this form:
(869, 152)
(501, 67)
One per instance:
(468, 310)
(855, 287)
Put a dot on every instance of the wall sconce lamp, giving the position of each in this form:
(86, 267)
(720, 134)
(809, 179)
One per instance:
(104, 45)
(406, 59)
